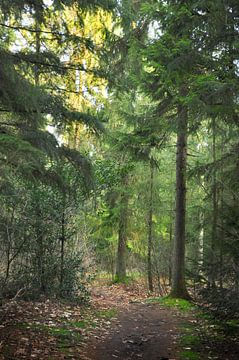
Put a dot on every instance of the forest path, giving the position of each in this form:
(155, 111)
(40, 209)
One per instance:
(120, 323)
(141, 330)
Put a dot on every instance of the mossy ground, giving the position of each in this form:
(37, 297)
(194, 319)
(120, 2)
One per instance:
(205, 334)
(180, 304)
(201, 336)
(189, 341)
(69, 333)
(107, 313)
(190, 355)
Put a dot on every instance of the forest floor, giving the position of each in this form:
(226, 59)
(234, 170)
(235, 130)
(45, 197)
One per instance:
(120, 323)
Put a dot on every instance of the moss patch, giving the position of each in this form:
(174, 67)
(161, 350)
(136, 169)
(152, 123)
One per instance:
(83, 324)
(79, 324)
(180, 304)
(189, 355)
(122, 280)
(190, 340)
(61, 332)
(65, 337)
(107, 313)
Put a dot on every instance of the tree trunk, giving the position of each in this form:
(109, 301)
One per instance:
(122, 234)
(221, 236)
(150, 228)
(221, 246)
(63, 238)
(201, 242)
(40, 249)
(170, 242)
(37, 47)
(212, 267)
(178, 276)
(41, 261)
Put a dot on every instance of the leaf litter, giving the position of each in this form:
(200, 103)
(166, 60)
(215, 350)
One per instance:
(119, 323)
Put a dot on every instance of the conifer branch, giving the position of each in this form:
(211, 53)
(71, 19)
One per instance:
(86, 41)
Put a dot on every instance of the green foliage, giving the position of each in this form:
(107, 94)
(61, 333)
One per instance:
(44, 184)
(37, 238)
(223, 302)
(74, 285)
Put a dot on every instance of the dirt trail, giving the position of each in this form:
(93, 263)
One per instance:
(140, 331)
(119, 324)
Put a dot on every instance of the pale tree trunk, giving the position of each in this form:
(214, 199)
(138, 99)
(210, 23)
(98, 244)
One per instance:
(201, 242)
(150, 228)
(122, 232)
(178, 275)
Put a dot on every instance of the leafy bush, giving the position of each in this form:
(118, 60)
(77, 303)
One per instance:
(223, 302)
(75, 280)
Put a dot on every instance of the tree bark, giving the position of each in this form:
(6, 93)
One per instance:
(150, 228)
(63, 238)
(122, 232)
(41, 261)
(38, 47)
(171, 241)
(212, 267)
(178, 275)
(221, 236)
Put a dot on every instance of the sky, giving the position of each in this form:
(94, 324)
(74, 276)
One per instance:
(48, 2)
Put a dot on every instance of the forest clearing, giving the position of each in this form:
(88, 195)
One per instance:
(119, 179)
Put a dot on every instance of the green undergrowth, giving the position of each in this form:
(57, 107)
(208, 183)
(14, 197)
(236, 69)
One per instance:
(180, 304)
(202, 334)
(208, 335)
